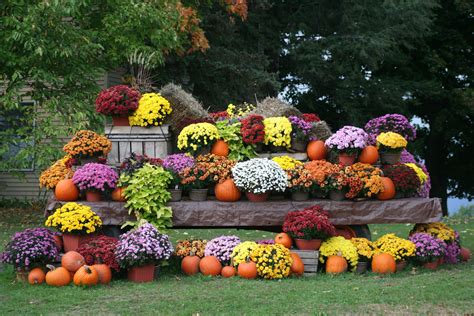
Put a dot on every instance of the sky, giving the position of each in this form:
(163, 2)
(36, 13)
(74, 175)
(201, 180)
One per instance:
(455, 204)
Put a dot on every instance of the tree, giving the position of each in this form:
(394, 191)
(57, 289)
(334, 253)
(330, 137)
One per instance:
(241, 63)
(57, 49)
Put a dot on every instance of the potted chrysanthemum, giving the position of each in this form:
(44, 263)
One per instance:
(390, 146)
(347, 142)
(95, 179)
(258, 177)
(140, 249)
(119, 102)
(75, 221)
(429, 249)
(309, 227)
(175, 164)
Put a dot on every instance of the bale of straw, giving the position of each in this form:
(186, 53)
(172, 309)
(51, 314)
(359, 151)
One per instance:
(184, 105)
(320, 130)
(272, 107)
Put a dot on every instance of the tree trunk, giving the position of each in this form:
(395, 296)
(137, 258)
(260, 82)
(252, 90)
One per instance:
(435, 159)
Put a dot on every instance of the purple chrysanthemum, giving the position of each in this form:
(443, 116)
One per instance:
(222, 247)
(178, 162)
(95, 176)
(428, 248)
(390, 123)
(348, 138)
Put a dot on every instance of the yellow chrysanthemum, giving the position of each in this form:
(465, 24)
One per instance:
(74, 218)
(365, 248)
(399, 248)
(242, 251)
(197, 135)
(391, 140)
(339, 246)
(277, 131)
(438, 230)
(272, 261)
(286, 162)
(419, 172)
(152, 110)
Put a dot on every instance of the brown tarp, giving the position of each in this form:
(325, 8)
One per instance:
(213, 213)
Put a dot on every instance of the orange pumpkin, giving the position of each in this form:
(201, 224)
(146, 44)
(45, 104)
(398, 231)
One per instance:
(72, 261)
(220, 148)
(66, 190)
(104, 272)
(383, 263)
(210, 265)
(57, 276)
(465, 254)
(86, 275)
(190, 265)
(336, 264)
(284, 239)
(228, 272)
(227, 191)
(297, 267)
(369, 155)
(247, 270)
(316, 150)
(118, 194)
(388, 189)
(36, 276)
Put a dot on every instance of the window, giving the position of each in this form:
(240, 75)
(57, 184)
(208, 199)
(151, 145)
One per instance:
(10, 122)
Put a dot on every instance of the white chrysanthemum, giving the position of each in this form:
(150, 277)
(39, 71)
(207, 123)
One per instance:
(259, 175)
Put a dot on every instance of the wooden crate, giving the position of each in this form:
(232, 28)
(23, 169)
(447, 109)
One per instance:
(152, 141)
(310, 259)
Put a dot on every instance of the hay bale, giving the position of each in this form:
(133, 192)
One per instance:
(271, 107)
(185, 106)
(320, 130)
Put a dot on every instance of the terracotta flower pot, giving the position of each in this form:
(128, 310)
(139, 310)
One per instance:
(93, 196)
(390, 158)
(401, 265)
(441, 261)
(72, 241)
(176, 195)
(312, 244)
(198, 194)
(140, 274)
(362, 267)
(261, 197)
(431, 265)
(299, 196)
(337, 195)
(120, 120)
(347, 159)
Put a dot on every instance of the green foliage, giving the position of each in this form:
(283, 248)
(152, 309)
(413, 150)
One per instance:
(229, 131)
(53, 52)
(147, 195)
(466, 211)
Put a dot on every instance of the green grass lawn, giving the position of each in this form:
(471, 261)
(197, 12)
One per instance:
(448, 290)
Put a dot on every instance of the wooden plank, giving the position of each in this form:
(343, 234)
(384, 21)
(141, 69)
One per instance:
(137, 147)
(310, 254)
(310, 268)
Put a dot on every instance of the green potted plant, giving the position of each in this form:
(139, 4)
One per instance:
(230, 132)
(147, 194)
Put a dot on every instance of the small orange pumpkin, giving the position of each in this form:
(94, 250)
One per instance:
(284, 239)
(66, 190)
(72, 261)
(86, 275)
(247, 270)
(210, 265)
(190, 265)
(336, 264)
(36, 276)
(369, 154)
(297, 266)
(57, 276)
(228, 272)
(104, 272)
(220, 148)
(383, 263)
(227, 191)
(118, 194)
(388, 189)
(316, 150)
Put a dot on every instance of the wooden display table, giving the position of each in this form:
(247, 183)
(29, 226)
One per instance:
(245, 214)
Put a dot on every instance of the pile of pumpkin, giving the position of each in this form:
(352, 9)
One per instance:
(73, 268)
